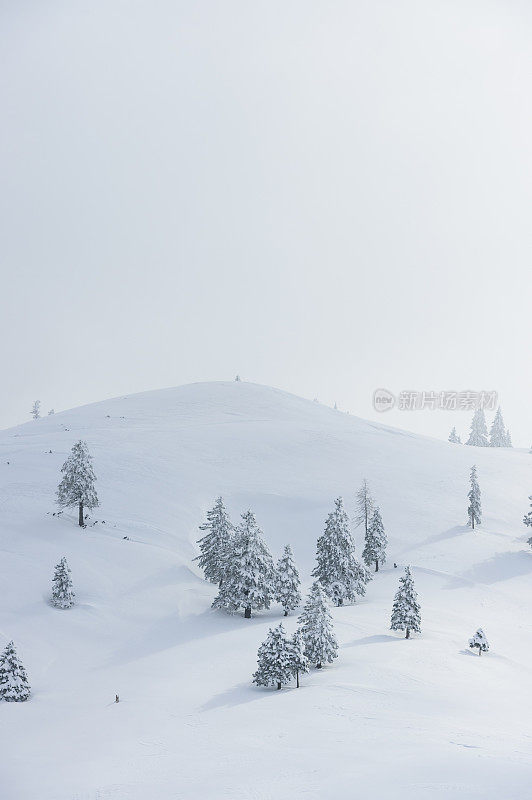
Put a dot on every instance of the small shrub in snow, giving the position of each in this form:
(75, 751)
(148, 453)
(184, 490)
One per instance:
(479, 641)
(287, 582)
(275, 661)
(317, 629)
(77, 485)
(215, 545)
(474, 511)
(62, 593)
(36, 409)
(14, 686)
(406, 610)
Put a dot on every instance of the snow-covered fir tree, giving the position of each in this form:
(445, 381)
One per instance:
(62, 592)
(51, 412)
(287, 582)
(238, 378)
(479, 641)
(364, 507)
(215, 546)
(454, 438)
(376, 541)
(36, 409)
(248, 580)
(274, 659)
(317, 629)
(508, 438)
(478, 436)
(337, 569)
(406, 610)
(498, 431)
(298, 659)
(14, 686)
(474, 511)
(77, 485)
(527, 519)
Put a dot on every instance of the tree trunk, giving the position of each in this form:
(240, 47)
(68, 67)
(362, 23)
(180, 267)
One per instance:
(318, 665)
(247, 612)
(286, 613)
(339, 602)
(472, 523)
(376, 566)
(479, 650)
(80, 515)
(297, 679)
(278, 685)
(407, 633)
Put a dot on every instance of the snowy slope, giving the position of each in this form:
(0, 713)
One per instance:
(392, 717)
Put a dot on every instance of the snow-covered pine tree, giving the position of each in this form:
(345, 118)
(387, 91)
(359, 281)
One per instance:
(51, 412)
(62, 593)
(215, 545)
(14, 686)
(474, 511)
(508, 438)
(287, 582)
(36, 409)
(454, 438)
(479, 640)
(337, 569)
(376, 541)
(406, 609)
(479, 432)
(317, 629)
(498, 431)
(238, 378)
(364, 506)
(298, 659)
(527, 519)
(248, 581)
(77, 485)
(274, 658)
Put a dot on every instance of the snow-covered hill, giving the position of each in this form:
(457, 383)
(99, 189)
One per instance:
(394, 718)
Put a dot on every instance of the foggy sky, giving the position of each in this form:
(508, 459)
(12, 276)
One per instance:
(327, 197)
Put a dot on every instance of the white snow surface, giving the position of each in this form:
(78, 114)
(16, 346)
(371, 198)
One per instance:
(390, 718)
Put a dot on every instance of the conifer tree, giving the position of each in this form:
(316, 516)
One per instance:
(474, 511)
(248, 580)
(479, 641)
(14, 686)
(51, 412)
(527, 519)
(62, 593)
(508, 438)
(376, 541)
(364, 506)
(454, 438)
(298, 659)
(478, 436)
(287, 582)
(337, 569)
(216, 544)
(406, 609)
(498, 431)
(77, 485)
(275, 659)
(36, 409)
(317, 629)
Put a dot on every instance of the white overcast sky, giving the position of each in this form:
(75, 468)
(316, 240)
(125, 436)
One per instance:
(327, 197)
